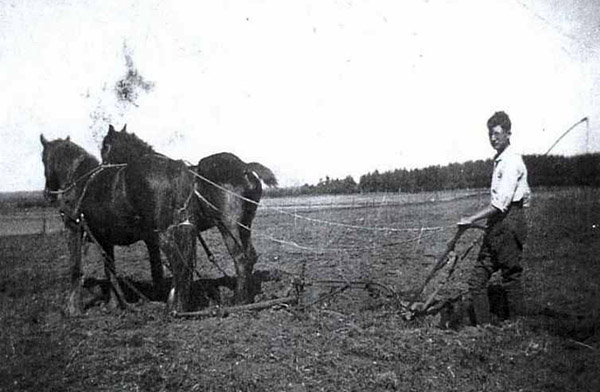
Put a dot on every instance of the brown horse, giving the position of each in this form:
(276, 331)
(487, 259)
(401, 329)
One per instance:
(119, 204)
(228, 190)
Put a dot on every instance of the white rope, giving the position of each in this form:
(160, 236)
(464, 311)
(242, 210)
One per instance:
(89, 173)
(315, 220)
(199, 195)
(327, 249)
(324, 250)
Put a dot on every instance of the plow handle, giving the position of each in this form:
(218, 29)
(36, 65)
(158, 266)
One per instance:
(442, 259)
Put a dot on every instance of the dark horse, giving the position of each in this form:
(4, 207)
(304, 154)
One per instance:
(228, 191)
(119, 204)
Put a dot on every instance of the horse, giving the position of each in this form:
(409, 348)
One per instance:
(118, 204)
(228, 190)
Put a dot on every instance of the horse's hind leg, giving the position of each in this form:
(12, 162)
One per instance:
(246, 234)
(209, 254)
(243, 264)
(156, 267)
(75, 302)
(251, 257)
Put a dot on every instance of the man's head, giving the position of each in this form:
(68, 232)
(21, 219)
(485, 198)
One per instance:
(499, 131)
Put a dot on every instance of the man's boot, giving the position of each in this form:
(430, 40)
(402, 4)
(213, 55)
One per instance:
(481, 308)
(514, 298)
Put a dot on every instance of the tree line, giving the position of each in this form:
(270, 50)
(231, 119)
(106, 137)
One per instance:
(543, 170)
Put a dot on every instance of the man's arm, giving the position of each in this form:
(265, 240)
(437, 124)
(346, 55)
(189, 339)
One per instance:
(484, 213)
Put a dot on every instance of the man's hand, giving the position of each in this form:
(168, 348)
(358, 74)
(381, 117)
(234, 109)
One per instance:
(464, 222)
(484, 213)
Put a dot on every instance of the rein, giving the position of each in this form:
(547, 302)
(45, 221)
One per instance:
(90, 173)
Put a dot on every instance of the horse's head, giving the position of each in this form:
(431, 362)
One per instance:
(61, 158)
(52, 167)
(123, 147)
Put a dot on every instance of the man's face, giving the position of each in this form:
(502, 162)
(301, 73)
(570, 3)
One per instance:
(499, 138)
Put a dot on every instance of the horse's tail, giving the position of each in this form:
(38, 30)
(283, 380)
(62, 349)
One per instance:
(263, 172)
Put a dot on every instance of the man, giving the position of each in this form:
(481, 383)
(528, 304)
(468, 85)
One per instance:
(506, 230)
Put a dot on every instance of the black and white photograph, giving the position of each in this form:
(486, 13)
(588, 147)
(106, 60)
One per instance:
(300, 195)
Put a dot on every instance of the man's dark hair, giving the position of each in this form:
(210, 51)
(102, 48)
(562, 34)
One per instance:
(499, 118)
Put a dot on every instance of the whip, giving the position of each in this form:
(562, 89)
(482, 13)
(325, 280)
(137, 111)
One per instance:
(585, 119)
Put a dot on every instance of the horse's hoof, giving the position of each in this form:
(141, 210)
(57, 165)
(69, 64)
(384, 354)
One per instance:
(113, 303)
(74, 311)
(74, 305)
(171, 299)
(243, 300)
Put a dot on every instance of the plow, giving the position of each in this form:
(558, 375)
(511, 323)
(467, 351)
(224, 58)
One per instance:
(409, 305)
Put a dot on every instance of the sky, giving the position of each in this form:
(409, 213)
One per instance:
(308, 88)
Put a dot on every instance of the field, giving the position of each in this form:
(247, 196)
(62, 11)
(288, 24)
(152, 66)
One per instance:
(343, 340)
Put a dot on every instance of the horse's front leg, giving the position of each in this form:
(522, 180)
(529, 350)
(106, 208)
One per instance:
(156, 266)
(75, 302)
(116, 296)
(179, 245)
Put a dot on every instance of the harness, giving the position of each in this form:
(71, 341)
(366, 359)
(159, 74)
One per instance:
(74, 216)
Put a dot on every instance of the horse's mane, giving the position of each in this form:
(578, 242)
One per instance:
(125, 147)
(134, 143)
(71, 150)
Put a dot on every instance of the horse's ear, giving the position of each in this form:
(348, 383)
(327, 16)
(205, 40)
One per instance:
(43, 140)
(111, 129)
(124, 130)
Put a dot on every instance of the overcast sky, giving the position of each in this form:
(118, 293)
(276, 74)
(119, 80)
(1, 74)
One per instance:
(308, 88)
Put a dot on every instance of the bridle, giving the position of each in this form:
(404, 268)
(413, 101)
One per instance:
(73, 183)
(87, 176)
(90, 174)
